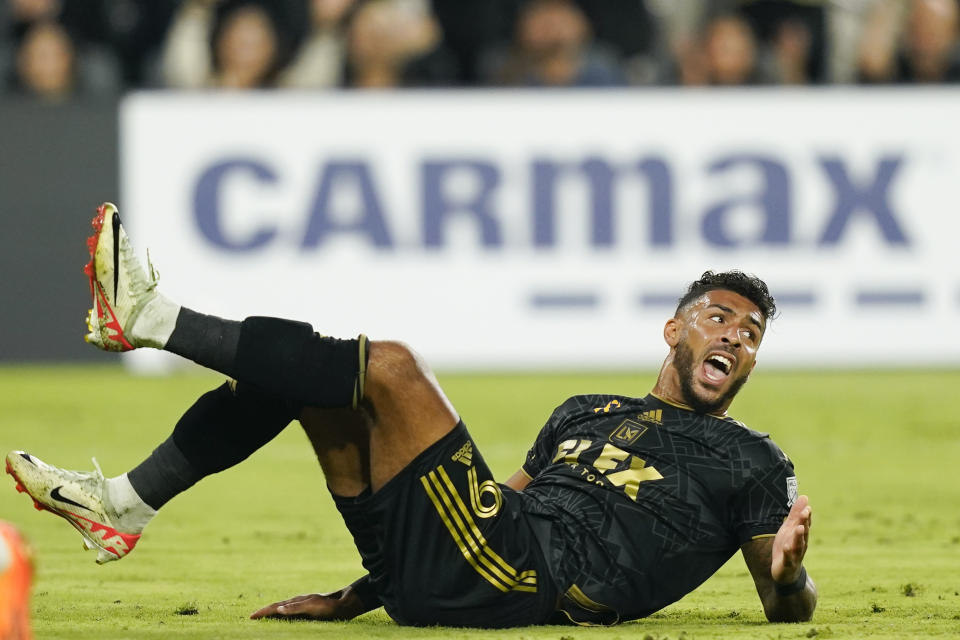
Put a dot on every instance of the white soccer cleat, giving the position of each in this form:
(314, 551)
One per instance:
(121, 288)
(75, 496)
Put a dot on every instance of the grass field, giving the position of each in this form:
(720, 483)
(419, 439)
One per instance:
(878, 454)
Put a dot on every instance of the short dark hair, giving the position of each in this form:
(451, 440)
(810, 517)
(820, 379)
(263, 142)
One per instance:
(749, 286)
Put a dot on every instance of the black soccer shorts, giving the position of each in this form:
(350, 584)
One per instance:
(445, 544)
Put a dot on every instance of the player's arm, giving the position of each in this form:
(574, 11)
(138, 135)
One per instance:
(518, 481)
(788, 594)
(347, 603)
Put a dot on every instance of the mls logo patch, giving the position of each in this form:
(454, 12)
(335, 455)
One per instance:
(792, 491)
(627, 432)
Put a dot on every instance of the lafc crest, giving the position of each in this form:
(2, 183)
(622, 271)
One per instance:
(628, 432)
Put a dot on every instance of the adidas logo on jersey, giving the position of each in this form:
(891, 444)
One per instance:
(465, 454)
(654, 415)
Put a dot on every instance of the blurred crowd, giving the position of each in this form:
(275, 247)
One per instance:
(59, 49)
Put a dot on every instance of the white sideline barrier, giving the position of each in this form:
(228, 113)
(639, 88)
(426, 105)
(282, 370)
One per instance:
(556, 229)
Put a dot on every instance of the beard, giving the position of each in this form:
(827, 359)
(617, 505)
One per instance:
(685, 369)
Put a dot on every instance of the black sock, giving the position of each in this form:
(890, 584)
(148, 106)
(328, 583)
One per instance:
(207, 340)
(285, 358)
(221, 429)
(165, 473)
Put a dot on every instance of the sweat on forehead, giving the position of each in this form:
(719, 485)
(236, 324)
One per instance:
(749, 286)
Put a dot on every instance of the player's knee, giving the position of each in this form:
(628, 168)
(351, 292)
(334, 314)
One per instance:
(394, 364)
(405, 397)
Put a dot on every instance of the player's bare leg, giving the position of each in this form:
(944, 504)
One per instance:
(403, 413)
(410, 412)
(341, 441)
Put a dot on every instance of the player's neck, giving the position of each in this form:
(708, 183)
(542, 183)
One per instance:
(668, 389)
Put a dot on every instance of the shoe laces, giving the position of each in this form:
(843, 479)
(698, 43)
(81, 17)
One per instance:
(143, 284)
(83, 476)
(96, 465)
(153, 272)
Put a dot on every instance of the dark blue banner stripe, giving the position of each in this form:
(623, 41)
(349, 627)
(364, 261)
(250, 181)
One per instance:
(571, 300)
(795, 298)
(905, 297)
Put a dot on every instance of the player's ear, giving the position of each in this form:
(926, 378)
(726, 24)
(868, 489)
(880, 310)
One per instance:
(671, 332)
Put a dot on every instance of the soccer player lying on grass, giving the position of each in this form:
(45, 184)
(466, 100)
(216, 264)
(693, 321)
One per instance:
(622, 506)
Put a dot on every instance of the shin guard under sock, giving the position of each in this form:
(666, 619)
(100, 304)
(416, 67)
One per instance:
(284, 358)
(290, 360)
(221, 429)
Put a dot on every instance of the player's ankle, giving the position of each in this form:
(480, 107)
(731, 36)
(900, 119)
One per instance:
(125, 506)
(155, 323)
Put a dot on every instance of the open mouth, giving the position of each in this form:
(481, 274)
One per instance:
(717, 367)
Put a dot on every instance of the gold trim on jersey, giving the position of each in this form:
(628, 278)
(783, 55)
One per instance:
(680, 405)
(764, 535)
(468, 537)
(576, 595)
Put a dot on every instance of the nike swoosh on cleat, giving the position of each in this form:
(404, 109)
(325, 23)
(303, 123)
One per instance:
(116, 254)
(56, 495)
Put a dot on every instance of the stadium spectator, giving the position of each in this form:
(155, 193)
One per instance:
(245, 49)
(925, 49)
(395, 43)
(229, 44)
(46, 63)
(185, 58)
(791, 38)
(50, 66)
(552, 47)
(629, 32)
(725, 55)
(320, 58)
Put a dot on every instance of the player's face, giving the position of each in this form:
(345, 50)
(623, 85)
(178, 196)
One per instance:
(718, 338)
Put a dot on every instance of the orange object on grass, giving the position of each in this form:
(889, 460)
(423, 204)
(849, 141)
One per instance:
(16, 574)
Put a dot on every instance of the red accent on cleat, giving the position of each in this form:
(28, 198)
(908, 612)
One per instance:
(38, 506)
(97, 224)
(105, 310)
(100, 305)
(113, 541)
(21, 488)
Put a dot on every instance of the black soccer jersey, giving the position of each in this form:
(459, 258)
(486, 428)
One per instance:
(642, 500)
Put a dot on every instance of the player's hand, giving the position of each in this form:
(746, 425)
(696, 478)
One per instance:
(790, 544)
(338, 605)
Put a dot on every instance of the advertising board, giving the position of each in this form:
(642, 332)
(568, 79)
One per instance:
(554, 229)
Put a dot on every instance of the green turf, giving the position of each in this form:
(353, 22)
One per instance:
(878, 453)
